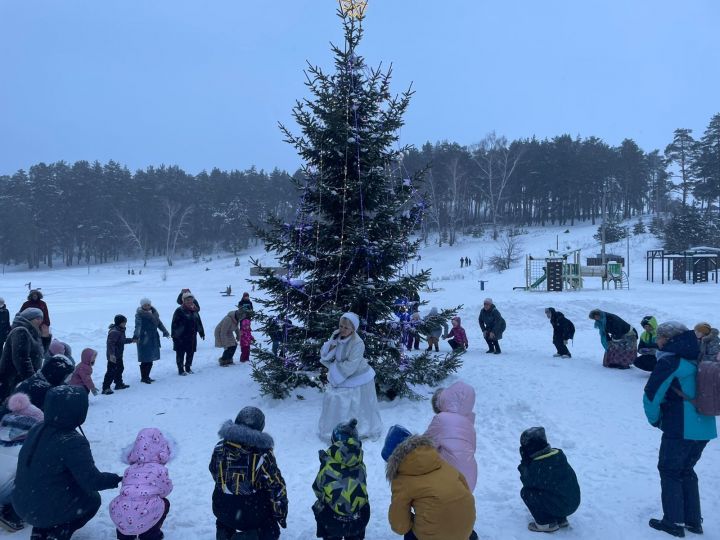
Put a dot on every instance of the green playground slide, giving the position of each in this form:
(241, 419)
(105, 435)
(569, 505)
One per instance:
(539, 281)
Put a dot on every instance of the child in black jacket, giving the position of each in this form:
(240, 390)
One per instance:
(115, 350)
(550, 488)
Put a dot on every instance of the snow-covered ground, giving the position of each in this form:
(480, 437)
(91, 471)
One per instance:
(594, 414)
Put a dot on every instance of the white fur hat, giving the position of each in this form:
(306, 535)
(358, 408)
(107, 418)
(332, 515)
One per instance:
(353, 318)
(145, 301)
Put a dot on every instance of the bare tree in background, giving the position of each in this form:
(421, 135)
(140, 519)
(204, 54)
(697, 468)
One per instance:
(137, 236)
(496, 162)
(509, 252)
(176, 222)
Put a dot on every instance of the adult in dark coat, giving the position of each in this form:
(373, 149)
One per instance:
(147, 324)
(55, 372)
(563, 330)
(550, 487)
(35, 300)
(180, 298)
(4, 323)
(492, 325)
(186, 325)
(57, 483)
(24, 350)
(114, 351)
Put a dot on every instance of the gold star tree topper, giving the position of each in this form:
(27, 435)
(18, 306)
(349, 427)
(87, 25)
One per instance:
(355, 9)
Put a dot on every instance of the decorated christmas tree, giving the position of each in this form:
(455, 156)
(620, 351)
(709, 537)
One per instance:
(351, 243)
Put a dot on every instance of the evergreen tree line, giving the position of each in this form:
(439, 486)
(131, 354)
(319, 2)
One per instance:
(90, 212)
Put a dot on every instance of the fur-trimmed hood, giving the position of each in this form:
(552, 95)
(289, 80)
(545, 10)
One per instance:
(425, 459)
(237, 433)
(712, 336)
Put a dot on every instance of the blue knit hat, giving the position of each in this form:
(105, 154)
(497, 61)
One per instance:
(344, 431)
(396, 434)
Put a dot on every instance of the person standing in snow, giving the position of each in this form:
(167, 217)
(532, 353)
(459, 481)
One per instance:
(550, 487)
(14, 427)
(350, 392)
(142, 506)
(227, 335)
(618, 338)
(647, 347)
(709, 342)
(667, 400)
(82, 376)
(35, 300)
(147, 324)
(457, 337)
(246, 337)
(245, 304)
(180, 298)
(4, 323)
(281, 325)
(342, 508)
(186, 326)
(23, 352)
(563, 331)
(115, 350)
(57, 483)
(250, 497)
(413, 336)
(492, 325)
(436, 329)
(452, 429)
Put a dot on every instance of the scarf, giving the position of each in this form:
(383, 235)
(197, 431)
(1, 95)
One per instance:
(600, 325)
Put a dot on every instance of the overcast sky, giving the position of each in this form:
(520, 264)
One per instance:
(203, 84)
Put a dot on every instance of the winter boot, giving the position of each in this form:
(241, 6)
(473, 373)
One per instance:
(10, 520)
(563, 523)
(695, 529)
(537, 527)
(557, 355)
(107, 392)
(121, 386)
(670, 528)
(497, 348)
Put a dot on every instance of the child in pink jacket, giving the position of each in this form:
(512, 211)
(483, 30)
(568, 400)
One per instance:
(456, 335)
(83, 372)
(246, 339)
(453, 428)
(140, 509)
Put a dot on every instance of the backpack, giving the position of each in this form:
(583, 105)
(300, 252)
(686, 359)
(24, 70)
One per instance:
(707, 396)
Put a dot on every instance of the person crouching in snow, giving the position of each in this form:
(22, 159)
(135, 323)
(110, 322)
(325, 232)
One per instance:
(550, 488)
(250, 495)
(457, 336)
(83, 372)
(14, 427)
(342, 509)
(563, 331)
(423, 483)
(142, 506)
(246, 339)
(452, 429)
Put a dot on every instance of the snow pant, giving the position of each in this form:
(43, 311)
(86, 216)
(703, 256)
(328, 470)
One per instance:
(227, 354)
(64, 531)
(244, 353)
(455, 345)
(413, 341)
(493, 344)
(184, 357)
(678, 481)
(224, 532)
(537, 503)
(145, 369)
(275, 346)
(433, 341)
(113, 373)
(154, 533)
(331, 526)
(561, 347)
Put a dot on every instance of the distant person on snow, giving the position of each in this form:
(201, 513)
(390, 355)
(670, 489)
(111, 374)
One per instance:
(84, 370)
(647, 346)
(147, 324)
(492, 325)
(709, 341)
(618, 338)
(342, 508)
(35, 300)
(142, 506)
(452, 429)
(563, 331)
(457, 338)
(250, 496)
(186, 326)
(550, 487)
(686, 432)
(115, 350)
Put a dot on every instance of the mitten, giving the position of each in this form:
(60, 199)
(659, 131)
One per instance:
(95, 391)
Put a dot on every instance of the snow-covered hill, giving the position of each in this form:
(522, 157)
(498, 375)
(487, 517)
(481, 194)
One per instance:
(594, 414)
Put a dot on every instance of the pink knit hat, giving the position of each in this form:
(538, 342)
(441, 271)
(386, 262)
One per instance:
(57, 347)
(20, 404)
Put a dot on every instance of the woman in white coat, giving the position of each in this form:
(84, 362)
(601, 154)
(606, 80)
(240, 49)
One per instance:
(350, 392)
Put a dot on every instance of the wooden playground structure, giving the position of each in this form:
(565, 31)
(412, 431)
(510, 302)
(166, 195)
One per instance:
(561, 271)
(694, 265)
